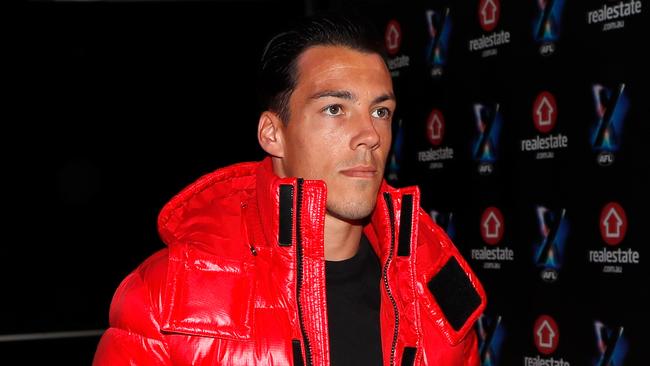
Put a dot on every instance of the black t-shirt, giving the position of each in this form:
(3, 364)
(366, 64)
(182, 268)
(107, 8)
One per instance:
(353, 308)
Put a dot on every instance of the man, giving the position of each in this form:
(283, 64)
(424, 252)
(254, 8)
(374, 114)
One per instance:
(308, 257)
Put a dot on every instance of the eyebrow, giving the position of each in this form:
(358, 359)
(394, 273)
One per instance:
(345, 94)
(383, 98)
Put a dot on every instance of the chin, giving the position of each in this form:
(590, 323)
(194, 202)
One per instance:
(351, 211)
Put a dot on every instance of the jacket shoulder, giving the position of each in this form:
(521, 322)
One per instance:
(430, 233)
(136, 305)
(457, 296)
(134, 336)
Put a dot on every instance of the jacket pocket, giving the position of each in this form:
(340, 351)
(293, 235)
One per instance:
(454, 300)
(208, 295)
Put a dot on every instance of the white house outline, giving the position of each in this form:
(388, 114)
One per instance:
(540, 334)
(540, 112)
(619, 223)
(393, 37)
(484, 12)
(486, 224)
(436, 127)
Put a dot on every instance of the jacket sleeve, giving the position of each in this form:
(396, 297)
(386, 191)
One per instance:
(134, 336)
(472, 357)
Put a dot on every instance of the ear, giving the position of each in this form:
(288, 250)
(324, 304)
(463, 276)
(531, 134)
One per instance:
(270, 131)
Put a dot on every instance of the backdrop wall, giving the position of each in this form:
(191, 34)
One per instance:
(523, 123)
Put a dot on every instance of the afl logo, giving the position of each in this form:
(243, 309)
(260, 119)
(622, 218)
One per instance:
(393, 37)
(492, 225)
(435, 127)
(544, 112)
(488, 14)
(613, 223)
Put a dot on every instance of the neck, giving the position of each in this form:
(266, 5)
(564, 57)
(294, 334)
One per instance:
(341, 238)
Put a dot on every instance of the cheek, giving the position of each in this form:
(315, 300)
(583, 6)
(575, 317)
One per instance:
(329, 138)
(310, 156)
(385, 135)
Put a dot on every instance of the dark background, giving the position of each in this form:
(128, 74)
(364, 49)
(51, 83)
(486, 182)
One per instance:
(122, 104)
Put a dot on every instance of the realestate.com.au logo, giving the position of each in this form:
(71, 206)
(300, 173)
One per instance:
(546, 335)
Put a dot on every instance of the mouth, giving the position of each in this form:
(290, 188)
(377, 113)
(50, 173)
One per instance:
(361, 171)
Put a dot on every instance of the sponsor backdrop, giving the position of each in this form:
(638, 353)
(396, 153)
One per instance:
(524, 124)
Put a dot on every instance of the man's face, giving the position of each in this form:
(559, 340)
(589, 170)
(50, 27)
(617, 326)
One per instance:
(340, 126)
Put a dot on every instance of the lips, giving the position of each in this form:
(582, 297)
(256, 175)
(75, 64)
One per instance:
(363, 171)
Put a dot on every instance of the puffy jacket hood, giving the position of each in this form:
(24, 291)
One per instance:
(192, 211)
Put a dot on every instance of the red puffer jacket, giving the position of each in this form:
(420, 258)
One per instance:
(243, 280)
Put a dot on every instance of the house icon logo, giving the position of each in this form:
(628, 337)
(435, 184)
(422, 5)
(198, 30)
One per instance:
(393, 37)
(492, 225)
(613, 223)
(435, 127)
(488, 14)
(546, 334)
(544, 112)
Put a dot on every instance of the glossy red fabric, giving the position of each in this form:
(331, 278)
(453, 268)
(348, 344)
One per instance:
(223, 292)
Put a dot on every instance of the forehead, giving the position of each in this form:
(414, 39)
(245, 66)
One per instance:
(328, 66)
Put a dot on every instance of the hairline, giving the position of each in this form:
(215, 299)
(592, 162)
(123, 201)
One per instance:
(294, 71)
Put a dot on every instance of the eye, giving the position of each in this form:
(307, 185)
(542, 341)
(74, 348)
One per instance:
(333, 110)
(383, 113)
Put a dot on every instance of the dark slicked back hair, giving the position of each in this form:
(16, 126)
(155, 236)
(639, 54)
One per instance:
(278, 72)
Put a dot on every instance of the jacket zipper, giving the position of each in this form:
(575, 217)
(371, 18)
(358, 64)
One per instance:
(299, 255)
(391, 214)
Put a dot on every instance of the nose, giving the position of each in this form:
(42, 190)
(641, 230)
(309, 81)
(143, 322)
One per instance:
(365, 134)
